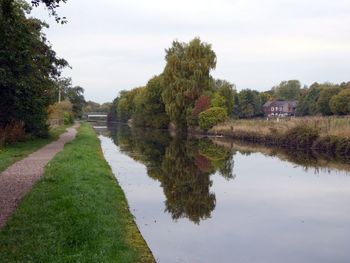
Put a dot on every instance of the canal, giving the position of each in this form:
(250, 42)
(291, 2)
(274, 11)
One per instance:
(214, 200)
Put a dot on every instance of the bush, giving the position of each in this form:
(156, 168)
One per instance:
(67, 118)
(300, 136)
(212, 116)
(62, 112)
(13, 132)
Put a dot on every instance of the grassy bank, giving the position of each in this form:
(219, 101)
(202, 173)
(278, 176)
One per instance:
(76, 213)
(323, 134)
(12, 153)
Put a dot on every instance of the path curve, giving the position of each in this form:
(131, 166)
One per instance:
(19, 178)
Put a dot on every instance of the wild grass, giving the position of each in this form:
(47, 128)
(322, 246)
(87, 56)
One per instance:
(11, 153)
(76, 213)
(323, 134)
(332, 126)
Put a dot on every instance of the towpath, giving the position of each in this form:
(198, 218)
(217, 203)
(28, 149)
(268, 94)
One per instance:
(19, 178)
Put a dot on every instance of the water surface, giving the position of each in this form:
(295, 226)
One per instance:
(202, 200)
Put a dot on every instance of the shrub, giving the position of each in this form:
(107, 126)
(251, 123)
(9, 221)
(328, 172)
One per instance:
(212, 116)
(202, 104)
(300, 136)
(67, 118)
(13, 132)
(63, 112)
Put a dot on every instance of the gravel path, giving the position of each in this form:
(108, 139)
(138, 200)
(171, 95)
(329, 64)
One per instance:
(19, 178)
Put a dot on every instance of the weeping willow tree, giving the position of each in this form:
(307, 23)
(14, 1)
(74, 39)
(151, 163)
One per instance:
(186, 77)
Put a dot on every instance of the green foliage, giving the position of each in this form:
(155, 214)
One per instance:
(308, 99)
(28, 67)
(186, 77)
(323, 102)
(91, 106)
(62, 112)
(125, 107)
(249, 103)
(76, 97)
(67, 118)
(74, 94)
(212, 116)
(149, 107)
(340, 103)
(288, 90)
(218, 101)
(265, 97)
(227, 91)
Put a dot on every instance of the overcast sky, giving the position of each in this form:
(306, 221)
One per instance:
(114, 45)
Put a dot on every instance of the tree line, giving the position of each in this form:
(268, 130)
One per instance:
(186, 95)
(180, 94)
(30, 70)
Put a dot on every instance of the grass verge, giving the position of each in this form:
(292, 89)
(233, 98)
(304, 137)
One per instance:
(75, 213)
(12, 153)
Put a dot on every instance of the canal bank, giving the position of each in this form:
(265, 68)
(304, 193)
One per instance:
(75, 213)
(320, 135)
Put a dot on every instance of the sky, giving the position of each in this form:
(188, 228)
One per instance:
(113, 45)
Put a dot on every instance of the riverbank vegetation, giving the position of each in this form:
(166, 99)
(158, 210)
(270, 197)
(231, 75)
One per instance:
(13, 152)
(326, 134)
(75, 213)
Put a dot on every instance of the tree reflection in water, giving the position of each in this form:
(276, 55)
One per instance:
(182, 165)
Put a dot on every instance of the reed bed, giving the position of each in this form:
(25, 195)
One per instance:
(324, 134)
(327, 126)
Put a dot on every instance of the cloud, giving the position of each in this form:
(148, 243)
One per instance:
(114, 45)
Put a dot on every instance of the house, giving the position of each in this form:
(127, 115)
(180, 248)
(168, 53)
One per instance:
(280, 108)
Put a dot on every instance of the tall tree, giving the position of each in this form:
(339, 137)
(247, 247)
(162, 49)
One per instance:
(76, 97)
(326, 94)
(149, 107)
(186, 76)
(288, 90)
(226, 90)
(308, 99)
(28, 68)
(340, 103)
(249, 103)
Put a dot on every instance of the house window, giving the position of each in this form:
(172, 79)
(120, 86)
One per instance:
(276, 108)
(272, 108)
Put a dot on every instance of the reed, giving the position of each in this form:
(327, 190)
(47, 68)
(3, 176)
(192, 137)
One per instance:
(329, 134)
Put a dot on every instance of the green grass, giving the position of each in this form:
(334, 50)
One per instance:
(12, 153)
(76, 213)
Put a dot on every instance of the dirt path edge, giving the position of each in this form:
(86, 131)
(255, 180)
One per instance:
(19, 178)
